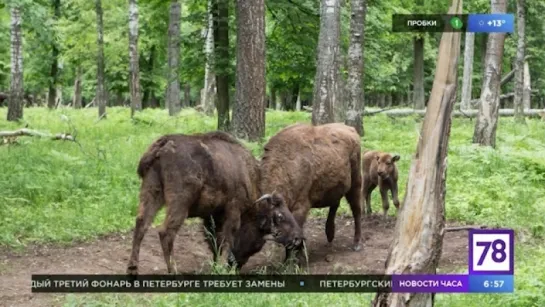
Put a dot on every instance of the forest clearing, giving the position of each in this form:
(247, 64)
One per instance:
(113, 111)
(80, 221)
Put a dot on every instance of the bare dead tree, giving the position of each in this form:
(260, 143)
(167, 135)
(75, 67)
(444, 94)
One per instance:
(418, 237)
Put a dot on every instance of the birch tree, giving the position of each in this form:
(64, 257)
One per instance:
(519, 63)
(355, 103)
(16, 92)
(467, 83)
(419, 97)
(54, 71)
(326, 84)
(208, 93)
(101, 89)
(134, 68)
(172, 100)
(487, 120)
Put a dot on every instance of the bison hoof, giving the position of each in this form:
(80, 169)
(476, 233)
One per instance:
(132, 270)
(356, 247)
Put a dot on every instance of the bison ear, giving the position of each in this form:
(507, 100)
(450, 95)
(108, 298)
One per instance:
(277, 199)
(395, 158)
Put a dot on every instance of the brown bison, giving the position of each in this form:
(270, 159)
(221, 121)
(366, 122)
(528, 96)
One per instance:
(211, 176)
(315, 167)
(379, 168)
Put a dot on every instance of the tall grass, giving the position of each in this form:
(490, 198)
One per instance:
(57, 191)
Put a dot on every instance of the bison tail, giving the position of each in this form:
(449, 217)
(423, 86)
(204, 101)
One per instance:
(150, 156)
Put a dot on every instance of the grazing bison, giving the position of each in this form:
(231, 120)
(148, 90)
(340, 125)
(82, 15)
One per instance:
(379, 168)
(211, 176)
(315, 167)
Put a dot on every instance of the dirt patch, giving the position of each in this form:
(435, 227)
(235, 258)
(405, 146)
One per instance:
(109, 255)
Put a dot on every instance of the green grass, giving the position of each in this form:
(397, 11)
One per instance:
(55, 191)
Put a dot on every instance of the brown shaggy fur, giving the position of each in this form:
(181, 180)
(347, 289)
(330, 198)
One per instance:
(314, 167)
(213, 177)
(379, 168)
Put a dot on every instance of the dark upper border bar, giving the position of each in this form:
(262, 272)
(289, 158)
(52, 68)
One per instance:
(427, 23)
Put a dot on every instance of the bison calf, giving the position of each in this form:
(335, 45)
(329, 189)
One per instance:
(211, 176)
(315, 167)
(379, 168)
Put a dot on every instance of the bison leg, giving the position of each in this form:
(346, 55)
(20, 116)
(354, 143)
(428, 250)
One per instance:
(354, 198)
(330, 223)
(151, 199)
(385, 202)
(367, 190)
(300, 214)
(394, 195)
(230, 227)
(177, 210)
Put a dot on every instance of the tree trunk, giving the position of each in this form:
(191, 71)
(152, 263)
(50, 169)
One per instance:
(77, 102)
(487, 121)
(400, 99)
(418, 236)
(355, 103)
(298, 101)
(484, 39)
(208, 97)
(221, 50)
(468, 70)
(16, 93)
(58, 95)
(54, 72)
(519, 64)
(187, 96)
(389, 100)
(101, 97)
(248, 111)
(149, 99)
(527, 87)
(273, 97)
(172, 100)
(134, 83)
(382, 100)
(278, 101)
(327, 89)
(419, 96)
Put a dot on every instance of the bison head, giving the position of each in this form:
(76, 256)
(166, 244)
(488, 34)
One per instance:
(276, 221)
(386, 165)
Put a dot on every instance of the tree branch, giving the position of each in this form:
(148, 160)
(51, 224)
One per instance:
(29, 132)
(304, 9)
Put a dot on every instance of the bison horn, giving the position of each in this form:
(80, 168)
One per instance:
(268, 237)
(266, 196)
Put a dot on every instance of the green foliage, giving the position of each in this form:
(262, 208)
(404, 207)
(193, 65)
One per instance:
(292, 32)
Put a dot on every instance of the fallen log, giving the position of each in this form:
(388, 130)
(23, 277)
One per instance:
(465, 113)
(460, 228)
(29, 132)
